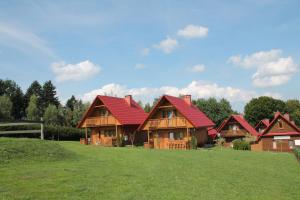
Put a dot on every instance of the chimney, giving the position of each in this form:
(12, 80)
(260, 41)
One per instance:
(187, 99)
(128, 99)
(287, 116)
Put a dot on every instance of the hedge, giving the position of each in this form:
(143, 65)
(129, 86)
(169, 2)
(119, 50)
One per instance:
(297, 152)
(50, 132)
(239, 144)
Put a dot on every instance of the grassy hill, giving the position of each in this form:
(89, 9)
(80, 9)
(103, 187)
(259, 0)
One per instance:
(125, 173)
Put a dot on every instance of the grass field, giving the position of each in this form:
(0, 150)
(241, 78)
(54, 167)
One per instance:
(76, 171)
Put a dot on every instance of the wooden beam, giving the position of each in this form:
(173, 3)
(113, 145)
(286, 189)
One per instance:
(148, 137)
(166, 107)
(100, 106)
(19, 123)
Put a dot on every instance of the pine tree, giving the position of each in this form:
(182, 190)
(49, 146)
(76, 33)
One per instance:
(32, 110)
(71, 102)
(34, 89)
(49, 95)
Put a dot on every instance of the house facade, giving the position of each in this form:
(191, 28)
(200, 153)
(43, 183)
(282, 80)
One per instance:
(281, 135)
(173, 122)
(235, 127)
(112, 120)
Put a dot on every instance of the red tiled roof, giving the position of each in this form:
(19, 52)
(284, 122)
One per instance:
(212, 132)
(282, 133)
(190, 112)
(126, 114)
(240, 119)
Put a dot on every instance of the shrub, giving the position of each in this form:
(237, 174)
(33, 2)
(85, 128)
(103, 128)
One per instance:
(297, 152)
(193, 142)
(239, 144)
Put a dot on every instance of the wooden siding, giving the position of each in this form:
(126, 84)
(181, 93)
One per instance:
(100, 121)
(285, 127)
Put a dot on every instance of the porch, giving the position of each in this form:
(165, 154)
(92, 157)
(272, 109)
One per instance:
(173, 122)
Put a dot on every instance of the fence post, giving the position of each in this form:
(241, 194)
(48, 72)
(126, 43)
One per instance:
(42, 129)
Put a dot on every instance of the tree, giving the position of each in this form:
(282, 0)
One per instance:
(14, 92)
(293, 108)
(147, 108)
(79, 110)
(34, 89)
(71, 102)
(262, 108)
(5, 108)
(49, 95)
(32, 110)
(51, 115)
(217, 111)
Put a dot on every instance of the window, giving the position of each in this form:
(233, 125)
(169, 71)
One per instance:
(178, 136)
(163, 114)
(280, 124)
(291, 144)
(170, 113)
(274, 144)
(109, 133)
(171, 136)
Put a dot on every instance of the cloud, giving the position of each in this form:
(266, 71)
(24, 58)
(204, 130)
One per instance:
(197, 89)
(140, 66)
(76, 72)
(24, 40)
(145, 51)
(197, 68)
(193, 31)
(168, 45)
(271, 68)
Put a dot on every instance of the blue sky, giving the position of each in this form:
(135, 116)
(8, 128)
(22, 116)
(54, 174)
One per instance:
(232, 49)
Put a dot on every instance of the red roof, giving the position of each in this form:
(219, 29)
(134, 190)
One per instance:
(212, 132)
(279, 115)
(265, 122)
(190, 112)
(240, 119)
(126, 114)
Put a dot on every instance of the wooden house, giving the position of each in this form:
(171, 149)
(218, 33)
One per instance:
(280, 135)
(173, 122)
(112, 119)
(235, 127)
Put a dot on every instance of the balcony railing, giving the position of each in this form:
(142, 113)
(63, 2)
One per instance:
(177, 144)
(233, 133)
(100, 121)
(168, 123)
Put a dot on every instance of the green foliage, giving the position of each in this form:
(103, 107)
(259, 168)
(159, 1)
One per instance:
(51, 115)
(32, 110)
(220, 141)
(293, 108)
(147, 108)
(71, 103)
(193, 142)
(239, 144)
(297, 152)
(262, 108)
(14, 92)
(217, 111)
(34, 89)
(5, 108)
(31, 150)
(49, 95)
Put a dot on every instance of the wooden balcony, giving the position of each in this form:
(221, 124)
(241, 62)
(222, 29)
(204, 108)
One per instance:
(100, 121)
(167, 123)
(233, 133)
(177, 144)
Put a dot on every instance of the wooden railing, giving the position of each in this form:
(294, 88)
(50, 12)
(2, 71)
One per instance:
(177, 144)
(233, 133)
(166, 123)
(100, 121)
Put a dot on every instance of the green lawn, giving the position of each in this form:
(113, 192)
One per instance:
(91, 172)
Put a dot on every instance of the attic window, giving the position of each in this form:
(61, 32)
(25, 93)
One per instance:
(280, 124)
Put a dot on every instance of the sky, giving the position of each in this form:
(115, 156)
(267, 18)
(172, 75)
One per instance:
(236, 50)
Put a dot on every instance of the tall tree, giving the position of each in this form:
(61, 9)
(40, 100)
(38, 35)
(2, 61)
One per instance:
(217, 111)
(49, 95)
(79, 110)
(14, 92)
(147, 108)
(51, 115)
(32, 110)
(293, 108)
(5, 108)
(71, 102)
(34, 89)
(263, 107)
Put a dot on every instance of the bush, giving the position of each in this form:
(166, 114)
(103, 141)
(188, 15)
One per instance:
(193, 142)
(239, 144)
(50, 132)
(297, 152)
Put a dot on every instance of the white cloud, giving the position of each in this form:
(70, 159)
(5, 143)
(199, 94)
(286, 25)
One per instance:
(140, 66)
(145, 51)
(24, 40)
(168, 45)
(197, 68)
(197, 89)
(271, 68)
(79, 71)
(193, 31)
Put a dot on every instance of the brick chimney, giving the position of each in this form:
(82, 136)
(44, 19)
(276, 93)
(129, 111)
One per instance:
(287, 116)
(128, 99)
(187, 99)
